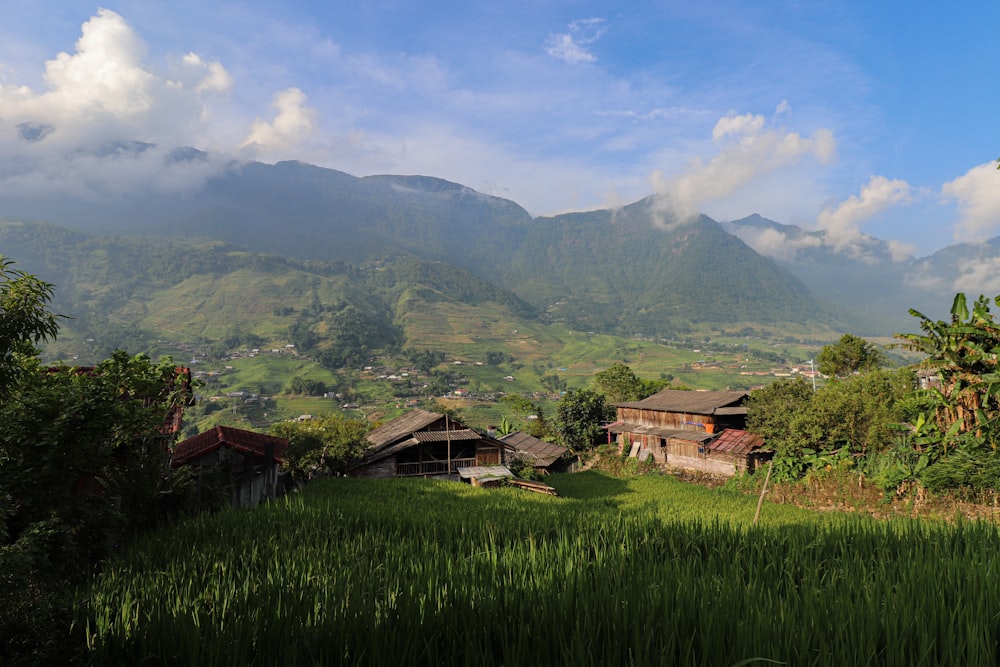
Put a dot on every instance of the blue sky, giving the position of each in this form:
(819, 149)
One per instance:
(852, 118)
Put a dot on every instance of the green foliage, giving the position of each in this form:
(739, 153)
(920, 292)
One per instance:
(852, 418)
(301, 385)
(849, 355)
(321, 446)
(25, 320)
(579, 416)
(963, 354)
(619, 383)
(495, 358)
(424, 360)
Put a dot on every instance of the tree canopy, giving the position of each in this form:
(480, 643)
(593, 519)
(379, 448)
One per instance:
(849, 355)
(579, 416)
(25, 319)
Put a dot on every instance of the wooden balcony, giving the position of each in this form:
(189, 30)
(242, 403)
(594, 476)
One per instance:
(432, 467)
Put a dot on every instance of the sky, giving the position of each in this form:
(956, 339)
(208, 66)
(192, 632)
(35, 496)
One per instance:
(852, 119)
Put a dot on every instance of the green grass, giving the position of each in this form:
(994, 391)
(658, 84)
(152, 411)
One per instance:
(616, 571)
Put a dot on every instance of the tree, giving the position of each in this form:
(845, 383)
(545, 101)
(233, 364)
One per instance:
(771, 410)
(579, 416)
(324, 445)
(849, 355)
(619, 383)
(25, 320)
(963, 354)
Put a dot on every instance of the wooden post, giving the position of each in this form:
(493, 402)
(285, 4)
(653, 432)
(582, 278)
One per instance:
(447, 437)
(760, 501)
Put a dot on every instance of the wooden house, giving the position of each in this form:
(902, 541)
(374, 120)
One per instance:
(247, 460)
(424, 444)
(545, 457)
(681, 429)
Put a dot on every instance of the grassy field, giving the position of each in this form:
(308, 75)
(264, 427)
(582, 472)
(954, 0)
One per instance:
(622, 571)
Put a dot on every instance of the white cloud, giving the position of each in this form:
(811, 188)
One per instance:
(775, 243)
(842, 224)
(216, 80)
(571, 47)
(978, 195)
(76, 135)
(293, 125)
(750, 149)
(979, 276)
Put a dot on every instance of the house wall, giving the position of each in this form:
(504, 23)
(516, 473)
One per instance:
(488, 456)
(383, 468)
(680, 421)
(709, 464)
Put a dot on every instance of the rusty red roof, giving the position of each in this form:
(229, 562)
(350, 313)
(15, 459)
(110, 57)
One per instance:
(248, 442)
(735, 441)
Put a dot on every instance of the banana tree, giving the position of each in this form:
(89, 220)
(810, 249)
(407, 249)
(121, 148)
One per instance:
(963, 353)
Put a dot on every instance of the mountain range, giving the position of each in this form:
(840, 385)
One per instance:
(630, 270)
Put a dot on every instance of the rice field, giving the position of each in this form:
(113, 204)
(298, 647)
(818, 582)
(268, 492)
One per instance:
(642, 571)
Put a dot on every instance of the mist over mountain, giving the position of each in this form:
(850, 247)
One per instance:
(870, 277)
(631, 270)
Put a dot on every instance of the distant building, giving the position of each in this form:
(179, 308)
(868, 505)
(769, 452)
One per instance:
(694, 430)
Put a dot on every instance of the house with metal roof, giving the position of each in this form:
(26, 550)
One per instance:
(545, 457)
(682, 428)
(425, 444)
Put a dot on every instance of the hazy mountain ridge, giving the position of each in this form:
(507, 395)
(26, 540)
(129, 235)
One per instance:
(878, 284)
(630, 270)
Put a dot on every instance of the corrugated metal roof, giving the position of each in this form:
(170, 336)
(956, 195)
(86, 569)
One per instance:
(735, 441)
(445, 436)
(484, 472)
(544, 453)
(691, 402)
(399, 427)
(247, 442)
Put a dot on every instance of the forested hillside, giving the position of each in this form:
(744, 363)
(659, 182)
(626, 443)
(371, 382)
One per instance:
(633, 270)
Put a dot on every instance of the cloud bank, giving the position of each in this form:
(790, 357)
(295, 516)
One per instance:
(108, 122)
(749, 148)
(977, 193)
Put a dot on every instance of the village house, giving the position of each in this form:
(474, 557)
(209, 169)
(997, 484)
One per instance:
(693, 430)
(246, 460)
(423, 444)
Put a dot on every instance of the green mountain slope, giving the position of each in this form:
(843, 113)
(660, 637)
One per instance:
(619, 269)
(127, 291)
(625, 270)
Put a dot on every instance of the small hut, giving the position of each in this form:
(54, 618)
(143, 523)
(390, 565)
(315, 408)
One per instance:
(545, 457)
(247, 460)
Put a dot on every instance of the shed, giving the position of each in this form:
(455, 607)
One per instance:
(247, 460)
(545, 457)
(744, 451)
(485, 475)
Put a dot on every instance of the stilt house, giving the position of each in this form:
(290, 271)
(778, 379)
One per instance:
(694, 430)
(422, 444)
